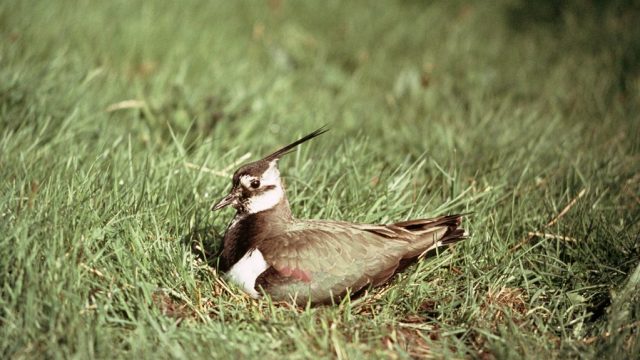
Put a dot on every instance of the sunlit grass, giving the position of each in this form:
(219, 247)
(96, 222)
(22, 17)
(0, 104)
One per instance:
(121, 122)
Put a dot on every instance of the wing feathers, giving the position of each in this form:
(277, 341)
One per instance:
(324, 258)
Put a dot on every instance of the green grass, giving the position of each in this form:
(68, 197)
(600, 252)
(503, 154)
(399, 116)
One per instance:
(502, 109)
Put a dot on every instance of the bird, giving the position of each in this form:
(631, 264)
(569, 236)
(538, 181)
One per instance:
(266, 250)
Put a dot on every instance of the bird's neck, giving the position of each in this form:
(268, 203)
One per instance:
(247, 230)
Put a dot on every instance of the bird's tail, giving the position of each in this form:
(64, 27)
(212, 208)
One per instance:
(428, 234)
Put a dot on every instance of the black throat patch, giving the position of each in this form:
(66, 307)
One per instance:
(247, 232)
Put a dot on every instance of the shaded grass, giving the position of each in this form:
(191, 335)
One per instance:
(434, 108)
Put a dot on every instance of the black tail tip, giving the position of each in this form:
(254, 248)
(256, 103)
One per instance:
(453, 237)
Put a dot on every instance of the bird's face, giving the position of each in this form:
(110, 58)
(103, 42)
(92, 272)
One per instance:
(255, 187)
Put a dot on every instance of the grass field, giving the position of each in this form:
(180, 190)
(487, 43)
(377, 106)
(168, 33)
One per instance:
(120, 122)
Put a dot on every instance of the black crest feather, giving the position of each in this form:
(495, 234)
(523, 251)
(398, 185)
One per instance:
(287, 149)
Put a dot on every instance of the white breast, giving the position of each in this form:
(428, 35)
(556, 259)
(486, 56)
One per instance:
(245, 272)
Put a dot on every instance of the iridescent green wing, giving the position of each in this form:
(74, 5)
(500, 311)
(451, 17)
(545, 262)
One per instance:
(322, 260)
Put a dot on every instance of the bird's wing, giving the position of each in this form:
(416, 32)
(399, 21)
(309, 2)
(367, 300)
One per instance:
(323, 259)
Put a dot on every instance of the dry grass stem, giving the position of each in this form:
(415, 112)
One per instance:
(565, 210)
(126, 104)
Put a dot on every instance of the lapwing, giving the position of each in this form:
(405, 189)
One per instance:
(267, 250)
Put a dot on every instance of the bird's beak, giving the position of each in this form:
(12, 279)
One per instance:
(227, 200)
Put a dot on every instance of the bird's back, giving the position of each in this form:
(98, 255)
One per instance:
(323, 260)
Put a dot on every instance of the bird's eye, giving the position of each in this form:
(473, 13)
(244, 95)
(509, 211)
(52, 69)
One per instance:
(255, 184)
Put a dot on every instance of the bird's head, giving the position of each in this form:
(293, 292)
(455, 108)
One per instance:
(257, 186)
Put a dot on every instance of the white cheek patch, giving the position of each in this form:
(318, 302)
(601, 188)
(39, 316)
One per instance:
(272, 175)
(245, 272)
(265, 201)
(269, 198)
